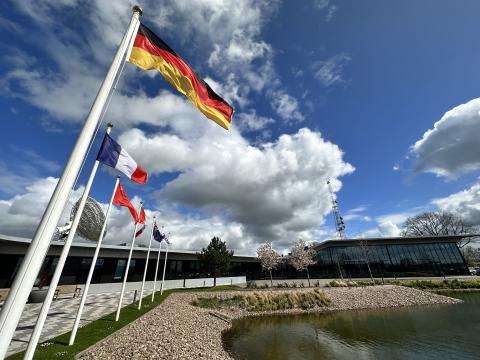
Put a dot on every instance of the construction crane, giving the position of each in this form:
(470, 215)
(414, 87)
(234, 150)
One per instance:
(339, 224)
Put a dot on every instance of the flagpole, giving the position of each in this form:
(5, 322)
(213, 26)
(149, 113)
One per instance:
(92, 267)
(117, 316)
(164, 267)
(13, 307)
(146, 267)
(37, 331)
(156, 270)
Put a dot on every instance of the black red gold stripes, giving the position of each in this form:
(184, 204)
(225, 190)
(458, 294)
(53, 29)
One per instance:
(151, 52)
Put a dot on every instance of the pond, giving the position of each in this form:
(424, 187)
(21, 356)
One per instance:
(428, 332)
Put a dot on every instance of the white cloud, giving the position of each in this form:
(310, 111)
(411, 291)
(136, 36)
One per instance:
(20, 215)
(250, 121)
(330, 72)
(389, 229)
(328, 6)
(465, 203)
(286, 106)
(451, 148)
(272, 190)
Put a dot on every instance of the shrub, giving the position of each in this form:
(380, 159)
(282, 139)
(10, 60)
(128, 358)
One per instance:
(268, 301)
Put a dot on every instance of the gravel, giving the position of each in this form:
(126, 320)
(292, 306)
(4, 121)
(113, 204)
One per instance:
(177, 330)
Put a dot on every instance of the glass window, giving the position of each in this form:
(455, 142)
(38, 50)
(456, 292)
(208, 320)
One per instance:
(99, 264)
(121, 264)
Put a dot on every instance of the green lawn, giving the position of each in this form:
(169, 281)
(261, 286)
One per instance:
(57, 348)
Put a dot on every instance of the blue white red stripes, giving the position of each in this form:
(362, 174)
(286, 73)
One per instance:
(113, 155)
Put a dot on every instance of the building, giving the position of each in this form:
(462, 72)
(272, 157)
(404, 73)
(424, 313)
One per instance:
(387, 257)
(111, 263)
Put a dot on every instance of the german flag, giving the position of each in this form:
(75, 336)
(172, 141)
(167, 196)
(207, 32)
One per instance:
(151, 52)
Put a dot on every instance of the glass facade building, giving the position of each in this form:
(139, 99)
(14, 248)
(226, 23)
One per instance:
(394, 258)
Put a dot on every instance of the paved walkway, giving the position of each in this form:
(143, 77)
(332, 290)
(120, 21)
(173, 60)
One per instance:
(62, 315)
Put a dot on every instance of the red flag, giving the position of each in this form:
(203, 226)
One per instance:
(122, 199)
(141, 220)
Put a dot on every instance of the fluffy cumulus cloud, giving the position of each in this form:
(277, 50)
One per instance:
(465, 203)
(451, 148)
(275, 190)
(20, 215)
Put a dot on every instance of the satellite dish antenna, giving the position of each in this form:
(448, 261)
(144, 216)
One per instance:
(91, 221)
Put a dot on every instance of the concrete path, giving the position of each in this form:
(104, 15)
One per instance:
(62, 315)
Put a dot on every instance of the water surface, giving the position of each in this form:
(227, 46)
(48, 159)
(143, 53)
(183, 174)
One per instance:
(428, 332)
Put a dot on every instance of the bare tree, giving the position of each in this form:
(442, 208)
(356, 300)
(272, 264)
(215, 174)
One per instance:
(471, 256)
(437, 223)
(268, 257)
(365, 255)
(301, 257)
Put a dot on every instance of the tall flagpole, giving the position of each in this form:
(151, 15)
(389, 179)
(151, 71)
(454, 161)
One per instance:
(117, 316)
(37, 331)
(92, 267)
(164, 267)
(146, 266)
(13, 307)
(156, 270)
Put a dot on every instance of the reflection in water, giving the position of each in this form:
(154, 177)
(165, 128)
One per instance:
(433, 332)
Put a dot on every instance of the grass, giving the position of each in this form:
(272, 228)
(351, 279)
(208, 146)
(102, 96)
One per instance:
(268, 301)
(57, 348)
(417, 284)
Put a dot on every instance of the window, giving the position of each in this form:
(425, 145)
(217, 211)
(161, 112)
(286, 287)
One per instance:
(121, 263)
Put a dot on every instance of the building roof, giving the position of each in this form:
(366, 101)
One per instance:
(16, 245)
(396, 240)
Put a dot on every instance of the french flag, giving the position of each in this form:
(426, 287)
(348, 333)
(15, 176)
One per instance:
(113, 155)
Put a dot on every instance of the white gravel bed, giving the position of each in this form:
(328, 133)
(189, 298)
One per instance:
(177, 330)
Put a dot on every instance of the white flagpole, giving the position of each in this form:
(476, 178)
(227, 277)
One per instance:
(92, 267)
(13, 307)
(37, 331)
(146, 266)
(117, 316)
(156, 270)
(164, 267)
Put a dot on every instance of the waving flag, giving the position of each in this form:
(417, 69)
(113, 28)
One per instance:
(141, 220)
(113, 155)
(157, 235)
(150, 52)
(122, 199)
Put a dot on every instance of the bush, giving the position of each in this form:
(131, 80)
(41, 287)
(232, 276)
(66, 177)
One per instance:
(337, 283)
(268, 301)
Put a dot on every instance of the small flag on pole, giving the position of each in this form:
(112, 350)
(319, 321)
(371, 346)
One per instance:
(157, 235)
(150, 52)
(113, 155)
(141, 220)
(121, 199)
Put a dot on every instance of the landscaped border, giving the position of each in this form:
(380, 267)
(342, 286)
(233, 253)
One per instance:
(99, 329)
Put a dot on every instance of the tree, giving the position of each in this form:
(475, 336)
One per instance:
(301, 257)
(216, 258)
(365, 252)
(471, 256)
(269, 258)
(437, 223)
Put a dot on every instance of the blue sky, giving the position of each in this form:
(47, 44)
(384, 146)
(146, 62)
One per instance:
(379, 96)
